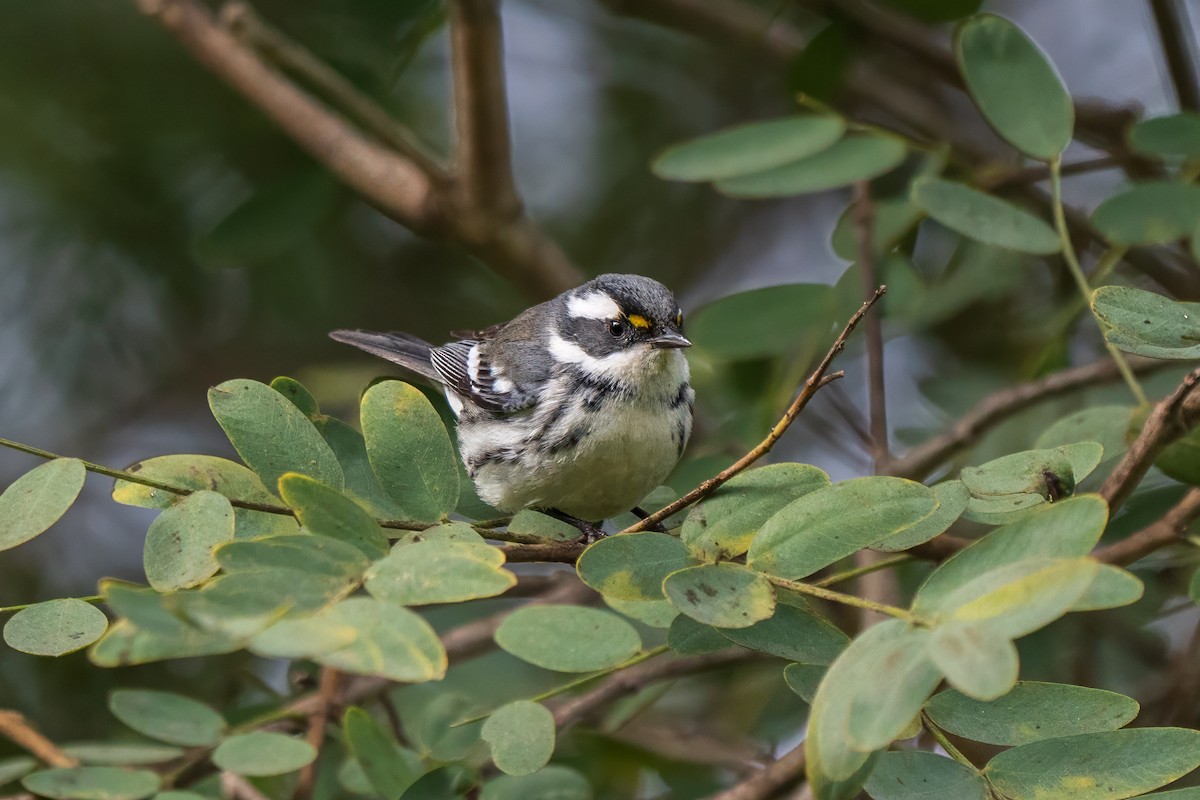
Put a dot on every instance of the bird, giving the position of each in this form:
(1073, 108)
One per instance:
(577, 407)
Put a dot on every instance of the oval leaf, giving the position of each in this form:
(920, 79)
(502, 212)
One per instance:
(1173, 136)
(521, 735)
(181, 540)
(853, 159)
(270, 434)
(439, 571)
(748, 148)
(35, 501)
(983, 217)
(1096, 766)
(263, 753)
(568, 638)
(1015, 86)
(917, 775)
(763, 322)
(552, 783)
(167, 717)
(1032, 711)
(976, 660)
(632, 566)
(722, 595)
(1148, 324)
(1149, 213)
(382, 760)
(328, 512)
(55, 628)
(794, 634)
(92, 783)
(410, 450)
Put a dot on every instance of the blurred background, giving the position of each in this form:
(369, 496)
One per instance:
(159, 235)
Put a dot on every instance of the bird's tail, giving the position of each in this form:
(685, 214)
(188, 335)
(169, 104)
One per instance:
(400, 348)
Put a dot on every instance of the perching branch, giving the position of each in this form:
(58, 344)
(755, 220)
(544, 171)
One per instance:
(411, 190)
(1164, 531)
(775, 776)
(18, 730)
(1171, 418)
(811, 386)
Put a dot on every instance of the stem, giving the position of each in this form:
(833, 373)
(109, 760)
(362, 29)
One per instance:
(1068, 249)
(846, 599)
(96, 598)
(851, 574)
(945, 742)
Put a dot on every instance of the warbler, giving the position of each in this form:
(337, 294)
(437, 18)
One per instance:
(578, 406)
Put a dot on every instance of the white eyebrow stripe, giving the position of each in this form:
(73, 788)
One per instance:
(613, 366)
(593, 305)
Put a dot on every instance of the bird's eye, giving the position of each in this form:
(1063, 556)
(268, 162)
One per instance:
(679, 318)
(616, 327)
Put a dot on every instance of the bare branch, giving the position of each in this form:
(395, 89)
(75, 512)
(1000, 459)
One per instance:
(1172, 418)
(811, 386)
(21, 732)
(775, 776)
(327, 690)
(1171, 21)
(483, 154)
(1164, 531)
(235, 787)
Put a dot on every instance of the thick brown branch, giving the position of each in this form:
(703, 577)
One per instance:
(17, 729)
(483, 158)
(1164, 531)
(775, 776)
(636, 678)
(1171, 21)
(1171, 418)
(811, 386)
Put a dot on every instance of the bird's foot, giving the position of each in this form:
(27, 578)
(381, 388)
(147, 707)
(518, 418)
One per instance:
(642, 513)
(590, 531)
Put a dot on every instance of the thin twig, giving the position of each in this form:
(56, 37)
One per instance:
(235, 787)
(1170, 18)
(773, 777)
(1171, 418)
(812, 590)
(17, 729)
(1168, 529)
(811, 386)
(327, 690)
(640, 676)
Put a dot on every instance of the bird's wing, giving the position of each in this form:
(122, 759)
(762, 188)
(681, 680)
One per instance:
(465, 367)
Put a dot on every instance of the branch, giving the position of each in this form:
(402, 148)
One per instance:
(1172, 418)
(315, 735)
(776, 775)
(810, 388)
(922, 460)
(1166, 530)
(638, 677)
(17, 729)
(483, 153)
(1172, 24)
(235, 787)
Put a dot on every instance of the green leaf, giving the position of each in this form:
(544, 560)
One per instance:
(1172, 136)
(1032, 711)
(832, 523)
(772, 321)
(794, 634)
(1191, 793)
(180, 543)
(1149, 213)
(1104, 424)
(92, 783)
(15, 767)
(521, 735)
(568, 638)
(1112, 587)
(723, 525)
(300, 397)
(952, 498)
(917, 775)
(328, 512)
(1148, 324)
(552, 783)
(894, 218)
(855, 713)
(1180, 460)
(1015, 86)
(263, 753)
(445, 783)
(528, 522)
(361, 484)
(1032, 471)
(1194, 586)
(748, 148)
(154, 629)
(723, 595)
(652, 613)
(167, 717)
(803, 679)
(410, 450)
(120, 753)
(270, 434)
(206, 473)
(55, 627)
(632, 566)
(382, 760)
(983, 217)
(690, 638)
(35, 501)
(439, 571)
(361, 635)
(1111, 765)
(976, 660)
(858, 157)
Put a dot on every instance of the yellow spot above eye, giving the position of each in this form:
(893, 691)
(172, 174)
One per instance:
(639, 322)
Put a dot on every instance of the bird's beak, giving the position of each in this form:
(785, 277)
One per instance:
(669, 341)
